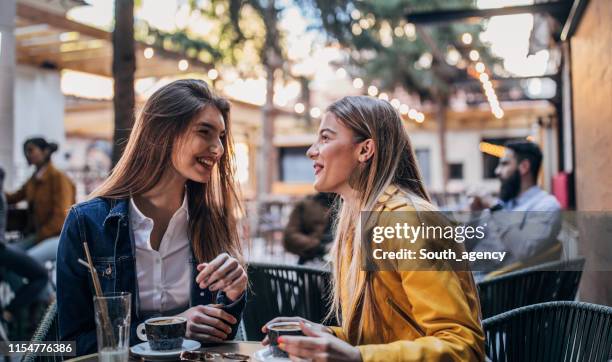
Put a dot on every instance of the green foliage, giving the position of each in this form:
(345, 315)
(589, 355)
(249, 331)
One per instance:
(181, 42)
(383, 52)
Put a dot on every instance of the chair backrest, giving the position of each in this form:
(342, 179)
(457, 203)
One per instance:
(284, 290)
(47, 330)
(554, 331)
(549, 255)
(543, 283)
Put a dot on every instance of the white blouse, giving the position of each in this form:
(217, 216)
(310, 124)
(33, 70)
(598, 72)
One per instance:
(164, 276)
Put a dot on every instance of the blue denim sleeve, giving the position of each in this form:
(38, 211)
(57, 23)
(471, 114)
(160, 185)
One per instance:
(234, 308)
(74, 296)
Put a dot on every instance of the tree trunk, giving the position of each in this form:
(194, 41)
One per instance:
(441, 119)
(267, 152)
(124, 67)
(271, 59)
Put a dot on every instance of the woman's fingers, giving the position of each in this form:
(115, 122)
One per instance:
(204, 319)
(209, 330)
(238, 285)
(218, 313)
(295, 343)
(308, 330)
(208, 268)
(301, 349)
(229, 265)
(225, 281)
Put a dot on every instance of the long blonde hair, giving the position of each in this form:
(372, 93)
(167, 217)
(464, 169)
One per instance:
(165, 117)
(393, 162)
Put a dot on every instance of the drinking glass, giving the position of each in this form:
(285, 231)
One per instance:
(113, 326)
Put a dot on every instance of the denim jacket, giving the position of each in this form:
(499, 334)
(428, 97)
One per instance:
(104, 224)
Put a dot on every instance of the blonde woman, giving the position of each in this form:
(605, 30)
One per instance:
(162, 226)
(364, 154)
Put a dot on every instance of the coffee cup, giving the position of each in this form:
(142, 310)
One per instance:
(163, 333)
(279, 329)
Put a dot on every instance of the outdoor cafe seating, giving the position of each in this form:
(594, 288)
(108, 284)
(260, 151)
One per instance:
(555, 331)
(530, 313)
(547, 282)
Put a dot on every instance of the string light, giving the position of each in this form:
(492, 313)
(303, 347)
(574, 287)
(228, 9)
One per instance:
(183, 65)
(489, 92)
(372, 91)
(148, 53)
(410, 31)
(213, 74)
(395, 103)
(474, 55)
(480, 67)
(466, 38)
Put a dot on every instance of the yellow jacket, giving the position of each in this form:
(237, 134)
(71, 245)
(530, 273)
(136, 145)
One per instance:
(49, 198)
(429, 315)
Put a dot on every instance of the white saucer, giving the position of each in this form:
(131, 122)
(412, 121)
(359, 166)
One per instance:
(265, 355)
(144, 350)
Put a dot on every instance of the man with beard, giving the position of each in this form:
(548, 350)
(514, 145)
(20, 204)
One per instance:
(526, 220)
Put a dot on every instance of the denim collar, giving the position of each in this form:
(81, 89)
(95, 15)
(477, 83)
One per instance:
(119, 210)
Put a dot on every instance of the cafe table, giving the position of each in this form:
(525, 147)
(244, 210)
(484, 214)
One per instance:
(245, 348)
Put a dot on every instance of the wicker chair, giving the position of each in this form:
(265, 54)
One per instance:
(555, 331)
(284, 290)
(46, 331)
(543, 283)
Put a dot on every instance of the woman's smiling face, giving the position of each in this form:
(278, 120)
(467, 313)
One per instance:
(335, 156)
(201, 147)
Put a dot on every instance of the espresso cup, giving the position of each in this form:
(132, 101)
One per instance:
(163, 333)
(278, 329)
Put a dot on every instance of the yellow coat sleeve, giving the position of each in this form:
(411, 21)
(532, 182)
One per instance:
(452, 329)
(338, 332)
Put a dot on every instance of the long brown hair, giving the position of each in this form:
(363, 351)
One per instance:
(165, 117)
(393, 162)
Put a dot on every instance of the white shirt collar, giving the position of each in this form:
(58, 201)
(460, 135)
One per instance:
(139, 217)
(141, 222)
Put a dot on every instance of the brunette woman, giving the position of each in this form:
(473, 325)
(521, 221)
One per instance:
(163, 225)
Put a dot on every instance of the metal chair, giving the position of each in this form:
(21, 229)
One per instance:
(555, 331)
(47, 331)
(284, 290)
(543, 283)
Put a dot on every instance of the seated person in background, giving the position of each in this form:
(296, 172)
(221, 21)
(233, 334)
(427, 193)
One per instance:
(309, 230)
(526, 220)
(49, 194)
(19, 263)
